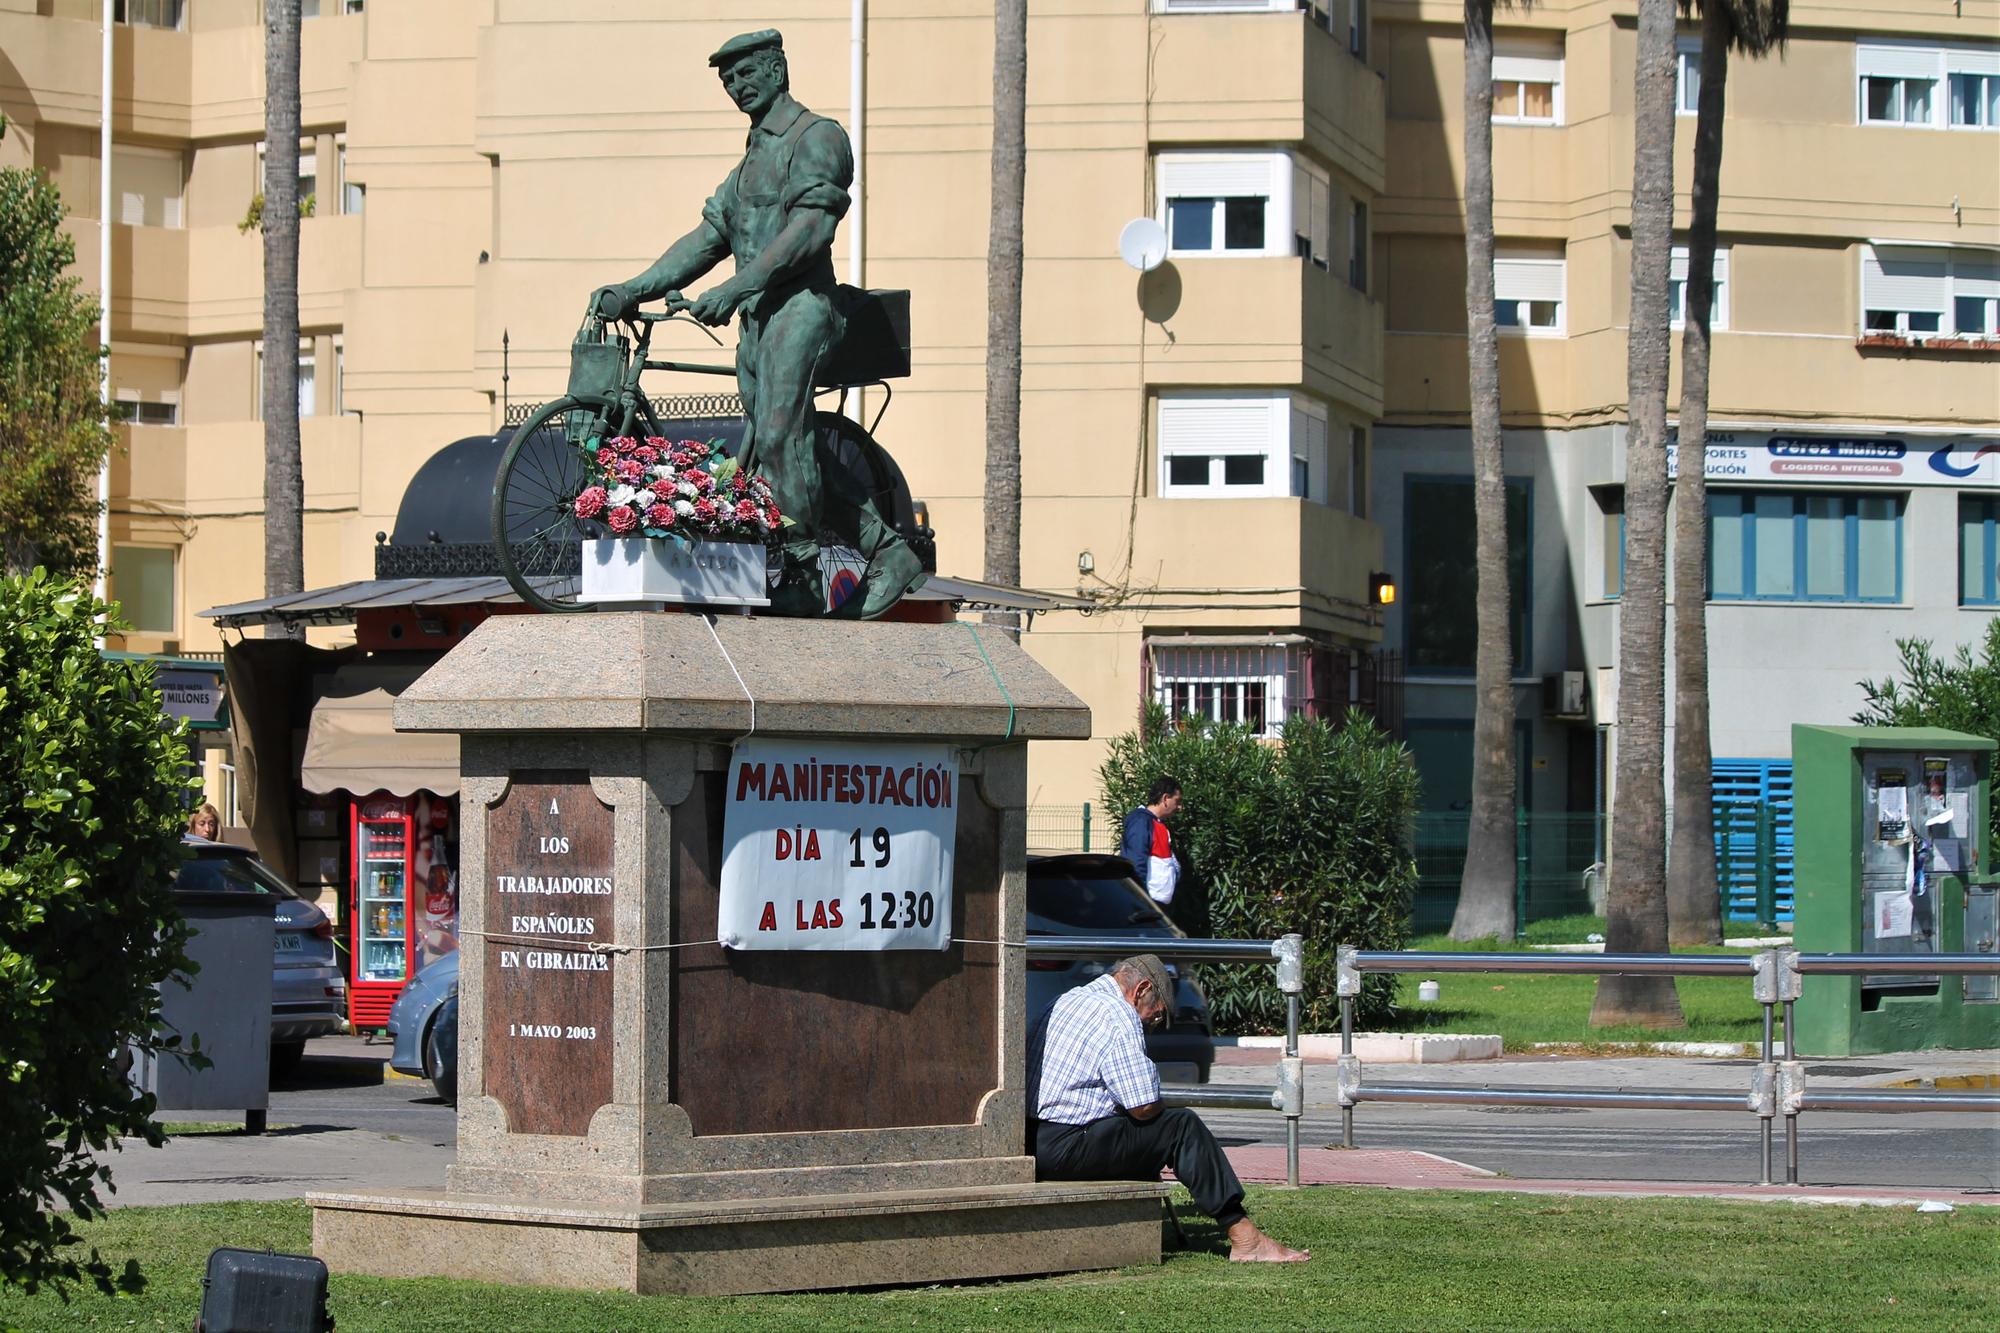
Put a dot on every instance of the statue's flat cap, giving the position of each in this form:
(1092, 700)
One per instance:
(745, 43)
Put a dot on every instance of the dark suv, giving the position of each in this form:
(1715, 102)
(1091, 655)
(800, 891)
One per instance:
(1083, 894)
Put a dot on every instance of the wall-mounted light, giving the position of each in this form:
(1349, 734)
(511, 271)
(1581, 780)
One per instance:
(1086, 563)
(1382, 588)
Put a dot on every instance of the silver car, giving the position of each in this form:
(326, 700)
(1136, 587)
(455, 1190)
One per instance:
(308, 991)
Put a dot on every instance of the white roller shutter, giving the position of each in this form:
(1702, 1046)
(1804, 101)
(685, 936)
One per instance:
(1528, 280)
(1903, 280)
(1899, 62)
(1975, 277)
(1972, 59)
(1220, 425)
(1527, 63)
(1221, 176)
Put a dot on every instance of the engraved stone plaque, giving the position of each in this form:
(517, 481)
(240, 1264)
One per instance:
(548, 993)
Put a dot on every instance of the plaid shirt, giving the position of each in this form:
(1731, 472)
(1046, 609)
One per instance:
(1087, 1057)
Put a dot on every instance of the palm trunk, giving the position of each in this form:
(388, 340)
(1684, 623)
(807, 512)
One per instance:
(1003, 297)
(1486, 888)
(284, 482)
(1636, 907)
(1694, 911)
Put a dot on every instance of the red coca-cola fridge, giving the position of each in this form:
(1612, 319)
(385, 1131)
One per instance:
(404, 897)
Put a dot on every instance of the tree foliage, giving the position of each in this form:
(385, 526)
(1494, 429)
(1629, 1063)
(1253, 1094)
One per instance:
(53, 433)
(90, 819)
(1310, 836)
(1960, 692)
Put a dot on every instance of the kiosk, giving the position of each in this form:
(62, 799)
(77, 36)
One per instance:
(1893, 857)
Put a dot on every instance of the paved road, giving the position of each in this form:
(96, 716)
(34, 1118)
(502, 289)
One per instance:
(1948, 1149)
(348, 1124)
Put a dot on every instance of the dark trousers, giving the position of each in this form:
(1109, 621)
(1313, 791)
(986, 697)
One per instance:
(1121, 1148)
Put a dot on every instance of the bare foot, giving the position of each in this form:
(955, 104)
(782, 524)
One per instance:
(1248, 1245)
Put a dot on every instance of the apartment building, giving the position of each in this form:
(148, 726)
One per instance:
(1195, 439)
(1854, 464)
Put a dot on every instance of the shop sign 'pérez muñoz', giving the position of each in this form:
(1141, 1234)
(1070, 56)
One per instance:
(838, 845)
(547, 1040)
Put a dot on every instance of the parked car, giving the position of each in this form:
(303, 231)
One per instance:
(1067, 895)
(308, 991)
(1084, 894)
(423, 1024)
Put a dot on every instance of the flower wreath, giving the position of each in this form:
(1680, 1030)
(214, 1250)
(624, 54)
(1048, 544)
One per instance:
(689, 491)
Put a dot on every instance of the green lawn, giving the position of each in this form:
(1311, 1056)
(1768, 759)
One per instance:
(1385, 1260)
(1526, 1008)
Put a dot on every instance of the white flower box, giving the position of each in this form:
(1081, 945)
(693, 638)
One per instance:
(638, 572)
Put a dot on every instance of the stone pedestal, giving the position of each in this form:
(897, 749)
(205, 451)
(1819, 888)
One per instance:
(641, 1108)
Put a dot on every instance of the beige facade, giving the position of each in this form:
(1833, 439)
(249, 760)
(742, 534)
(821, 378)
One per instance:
(1202, 444)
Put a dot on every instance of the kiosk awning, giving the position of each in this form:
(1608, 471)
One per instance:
(352, 745)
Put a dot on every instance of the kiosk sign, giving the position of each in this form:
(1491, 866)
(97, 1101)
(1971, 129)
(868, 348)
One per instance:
(838, 845)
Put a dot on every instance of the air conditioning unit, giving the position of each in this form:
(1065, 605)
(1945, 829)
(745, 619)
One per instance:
(1564, 694)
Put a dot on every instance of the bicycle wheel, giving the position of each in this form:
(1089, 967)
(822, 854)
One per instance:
(536, 532)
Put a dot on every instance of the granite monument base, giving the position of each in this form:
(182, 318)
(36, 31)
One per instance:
(878, 1238)
(667, 1088)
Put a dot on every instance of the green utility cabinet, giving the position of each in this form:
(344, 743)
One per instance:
(1892, 830)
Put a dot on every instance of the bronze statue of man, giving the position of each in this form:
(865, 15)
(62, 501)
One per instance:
(776, 213)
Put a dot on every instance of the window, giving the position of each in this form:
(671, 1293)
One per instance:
(312, 9)
(1718, 302)
(1687, 76)
(1242, 446)
(1254, 685)
(307, 367)
(1357, 471)
(1227, 203)
(1528, 291)
(148, 184)
(149, 412)
(1979, 550)
(1357, 245)
(353, 194)
(1357, 29)
(1930, 292)
(1527, 83)
(1900, 84)
(1611, 542)
(142, 581)
(1784, 546)
(149, 13)
(1312, 215)
(1440, 560)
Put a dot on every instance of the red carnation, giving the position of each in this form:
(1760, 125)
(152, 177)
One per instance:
(605, 458)
(657, 442)
(746, 510)
(660, 516)
(622, 519)
(646, 454)
(624, 444)
(629, 470)
(772, 516)
(704, 510)
(590, 502)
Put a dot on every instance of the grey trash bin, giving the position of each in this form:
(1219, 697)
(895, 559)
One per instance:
(227, 1004)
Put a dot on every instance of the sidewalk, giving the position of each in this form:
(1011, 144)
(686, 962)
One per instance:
(1388, 1168)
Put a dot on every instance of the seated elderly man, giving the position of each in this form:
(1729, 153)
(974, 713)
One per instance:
(1095, 1109)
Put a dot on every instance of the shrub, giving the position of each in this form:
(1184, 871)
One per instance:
(91, 781)
(1959, 693)
(1310, 836)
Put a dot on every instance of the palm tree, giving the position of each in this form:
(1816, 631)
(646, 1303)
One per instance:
(284, 480)
(1486, 888)
(1694, 909)
(1636, 906)
(1003, 296)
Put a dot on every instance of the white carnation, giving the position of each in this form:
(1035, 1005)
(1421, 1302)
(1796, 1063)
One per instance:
(686, 488)
(644, 499)
(683, 508)
(620, 495)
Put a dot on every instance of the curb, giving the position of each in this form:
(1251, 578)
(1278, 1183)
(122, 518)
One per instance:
(1408, 1048)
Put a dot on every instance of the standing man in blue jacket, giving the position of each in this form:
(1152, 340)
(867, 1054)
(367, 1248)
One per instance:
(1148, 845)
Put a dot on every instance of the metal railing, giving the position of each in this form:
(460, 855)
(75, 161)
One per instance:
(1777, 1088)
(1288, 1095)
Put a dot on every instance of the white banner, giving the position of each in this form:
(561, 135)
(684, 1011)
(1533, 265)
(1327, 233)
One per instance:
(838, 845)
(1847, 460)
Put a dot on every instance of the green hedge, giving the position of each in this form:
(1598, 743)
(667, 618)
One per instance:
(1309, 836)
(91, 782)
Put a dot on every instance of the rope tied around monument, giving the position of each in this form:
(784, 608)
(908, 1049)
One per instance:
(709, 621)
(995, 673)
(607, 947)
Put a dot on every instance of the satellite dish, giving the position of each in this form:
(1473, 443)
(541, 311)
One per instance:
(1143, 244)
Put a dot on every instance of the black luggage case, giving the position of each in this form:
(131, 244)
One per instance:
(256, 1291)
